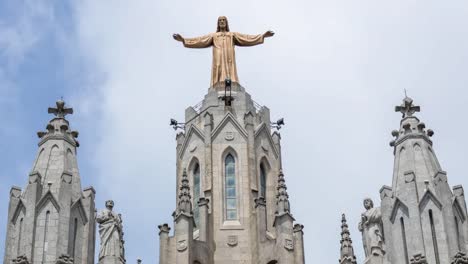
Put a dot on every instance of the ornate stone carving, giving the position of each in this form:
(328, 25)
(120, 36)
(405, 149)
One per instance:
(371, 228)
(21, 260)
(418, 259)
(64, 259)
(181, 245)
(409, 176)
(111, 233)
(460, 258)
(232, 241)
(229, 136)
(288, 244)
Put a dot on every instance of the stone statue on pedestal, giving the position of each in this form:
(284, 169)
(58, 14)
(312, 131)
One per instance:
(223, 42)
(372, 230)
(111, 234)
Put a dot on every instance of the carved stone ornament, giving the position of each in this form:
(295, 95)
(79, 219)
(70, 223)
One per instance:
(182, 245)
(232, 241)
(192, 148)
(460, 258)
(418, 259)
(229, 136)
(64, 259)
(288, 244)
(21, 260)
(409, 176)
(265, 149)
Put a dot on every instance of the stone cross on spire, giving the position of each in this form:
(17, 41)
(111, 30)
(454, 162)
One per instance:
(407, 108)
(61, 111)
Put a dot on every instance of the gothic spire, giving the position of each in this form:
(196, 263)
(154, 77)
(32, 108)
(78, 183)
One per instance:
(185, 201)
(346, 251)
(282, 197)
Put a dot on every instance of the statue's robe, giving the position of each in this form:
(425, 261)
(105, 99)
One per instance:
(224, 59)
(110, 233)
(372, 233)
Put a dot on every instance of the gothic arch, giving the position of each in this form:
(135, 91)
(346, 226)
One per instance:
(227, 187)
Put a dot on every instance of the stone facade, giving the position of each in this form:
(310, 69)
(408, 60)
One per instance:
(52, 220)
(232, 204)
(423, 220)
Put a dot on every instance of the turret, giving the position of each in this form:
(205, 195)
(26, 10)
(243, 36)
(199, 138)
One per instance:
(424, 221)
(53, 219)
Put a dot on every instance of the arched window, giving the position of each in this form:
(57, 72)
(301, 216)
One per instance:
(196, 193)
(230, 187)
(262, 181)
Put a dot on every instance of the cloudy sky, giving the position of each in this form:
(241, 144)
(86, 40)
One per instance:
(334, 70)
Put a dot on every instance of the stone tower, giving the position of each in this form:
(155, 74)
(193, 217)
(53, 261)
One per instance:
(52, 220)
(232, 204)
(421, 219)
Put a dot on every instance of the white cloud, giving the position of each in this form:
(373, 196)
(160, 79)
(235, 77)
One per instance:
(334, 70)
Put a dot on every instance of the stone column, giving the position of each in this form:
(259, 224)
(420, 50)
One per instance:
(184, 238)
(299, 244)
(207, 179)
(203, 228)
(260, 207)
(163, 242)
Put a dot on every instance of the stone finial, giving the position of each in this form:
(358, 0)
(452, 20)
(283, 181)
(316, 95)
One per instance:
(407, 108)
(346, 251)
(64, 259)
(21, 260)
(418, 259)
(60, 111)
(282, 197)
(298, 228)
(185, 201)
(164, 228)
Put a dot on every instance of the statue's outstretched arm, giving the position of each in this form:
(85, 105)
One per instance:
(199, 42)
(251, 40)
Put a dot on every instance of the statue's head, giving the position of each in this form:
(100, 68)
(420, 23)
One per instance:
(222, 24)
(368, 203)
(109, 204)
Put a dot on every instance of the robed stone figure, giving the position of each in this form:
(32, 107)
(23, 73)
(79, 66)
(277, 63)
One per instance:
(111, 234)
(223, 42)
(372, 231)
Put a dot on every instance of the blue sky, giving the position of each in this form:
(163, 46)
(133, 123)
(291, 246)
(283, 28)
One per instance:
(334, 71)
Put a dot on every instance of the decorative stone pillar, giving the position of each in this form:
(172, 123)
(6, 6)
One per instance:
(203, 224)
(418, 259)
(299, 256)
(164, 247)
(260, 207)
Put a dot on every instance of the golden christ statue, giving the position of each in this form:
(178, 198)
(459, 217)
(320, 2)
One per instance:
(223, 41)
